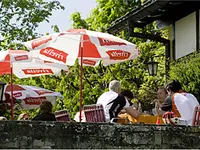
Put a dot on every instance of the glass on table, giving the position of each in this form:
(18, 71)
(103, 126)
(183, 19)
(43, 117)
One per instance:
(146, 112)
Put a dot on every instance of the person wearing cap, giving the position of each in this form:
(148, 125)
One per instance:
(180, 102)
(113, 102)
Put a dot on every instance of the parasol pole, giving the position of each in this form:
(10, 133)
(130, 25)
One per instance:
(81, 74)
(11, 84)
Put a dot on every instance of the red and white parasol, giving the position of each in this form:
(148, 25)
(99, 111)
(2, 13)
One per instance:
(65, 47)
(30, 97)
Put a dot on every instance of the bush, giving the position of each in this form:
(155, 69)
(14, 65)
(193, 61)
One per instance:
(187, 71)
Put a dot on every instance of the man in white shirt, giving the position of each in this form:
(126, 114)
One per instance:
(113, 102)
(179, 102)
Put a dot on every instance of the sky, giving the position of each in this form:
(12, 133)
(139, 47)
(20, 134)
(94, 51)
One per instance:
(62, 17)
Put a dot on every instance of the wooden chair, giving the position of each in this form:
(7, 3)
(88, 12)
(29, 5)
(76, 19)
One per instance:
(94, 113)
(62, 116)
(196, 117)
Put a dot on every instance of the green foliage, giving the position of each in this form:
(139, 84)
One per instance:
(20, 18)
(78, 23)
(108, 11)
(187, 71)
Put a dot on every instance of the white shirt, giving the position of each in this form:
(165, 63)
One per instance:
(106, 98)
(77, 117)
(185, 103)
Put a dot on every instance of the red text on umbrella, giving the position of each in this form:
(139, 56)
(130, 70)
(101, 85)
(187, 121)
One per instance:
(54, 53)
(34, 100)
(18, 94)
(37, 71)
(22, 57)
(108, 42)
(40, 41)
(118, 54)
(89, 62)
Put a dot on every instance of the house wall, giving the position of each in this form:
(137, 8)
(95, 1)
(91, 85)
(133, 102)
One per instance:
(185, 36)
(199, 29)
(57, 135)
(170, 37)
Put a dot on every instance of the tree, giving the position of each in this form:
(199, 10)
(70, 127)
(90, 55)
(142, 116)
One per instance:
(20, 18)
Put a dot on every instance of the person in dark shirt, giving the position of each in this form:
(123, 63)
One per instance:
(116, 106)
(45, 112)
(167, 105)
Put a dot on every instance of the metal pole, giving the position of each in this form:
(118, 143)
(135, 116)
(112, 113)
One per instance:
(81, 74)
(11, 84)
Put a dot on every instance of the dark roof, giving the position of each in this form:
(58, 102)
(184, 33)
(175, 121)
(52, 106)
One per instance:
(152, 10)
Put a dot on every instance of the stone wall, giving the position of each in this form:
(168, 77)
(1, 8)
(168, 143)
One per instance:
(34, 135)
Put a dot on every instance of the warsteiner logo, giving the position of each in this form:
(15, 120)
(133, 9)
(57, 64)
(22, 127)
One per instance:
(54, 53)
(22, 57)
(40, 41)
(34, 100)
(118, 54)
(108, 42)
(89, 62)
(37, 71)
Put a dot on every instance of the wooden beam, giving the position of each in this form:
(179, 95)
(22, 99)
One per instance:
(150, 37)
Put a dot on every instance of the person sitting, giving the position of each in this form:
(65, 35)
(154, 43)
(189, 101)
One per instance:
(45, 113)
(3, 108)
(23, 116)
(180, 102)
(113, 102)
(161, 95)
(129, 96)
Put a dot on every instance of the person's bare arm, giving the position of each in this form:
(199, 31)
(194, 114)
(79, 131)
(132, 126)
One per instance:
(159, 112)
(132, 111)
(122, 111)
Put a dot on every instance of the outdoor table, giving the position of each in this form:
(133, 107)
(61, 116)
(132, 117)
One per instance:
(146, 119)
